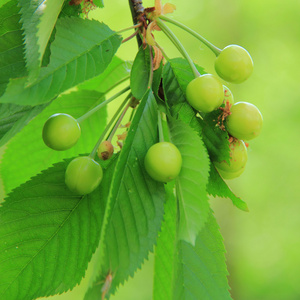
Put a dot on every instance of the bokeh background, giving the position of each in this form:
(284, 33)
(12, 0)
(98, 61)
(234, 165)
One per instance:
(263, 245)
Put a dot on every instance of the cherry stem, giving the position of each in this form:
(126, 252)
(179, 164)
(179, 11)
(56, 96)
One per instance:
(130, 37)
(212, 47)
(94, 151)
(131, 27)
(160, 128)
(116, 126)
(96, 108)
(177, 44)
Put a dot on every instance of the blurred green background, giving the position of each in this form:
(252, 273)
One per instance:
(262, 245)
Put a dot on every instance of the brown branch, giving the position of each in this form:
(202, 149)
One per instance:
(137, 9)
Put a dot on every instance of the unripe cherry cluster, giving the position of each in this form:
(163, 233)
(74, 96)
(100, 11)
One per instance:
(83, 174)
(243, 120)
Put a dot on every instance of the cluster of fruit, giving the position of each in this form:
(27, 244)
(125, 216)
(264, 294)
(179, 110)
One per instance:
(83, 174)
(163, 161)
(243, 120)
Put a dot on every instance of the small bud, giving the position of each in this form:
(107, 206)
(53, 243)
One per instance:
(105, 150)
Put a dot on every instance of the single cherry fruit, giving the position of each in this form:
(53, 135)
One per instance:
(234, 64)
(238, 160)
(61, 132)
(245, 121)
(83, 175)
(163, 161)
(205, 93)
(228, 97)
(105, 150)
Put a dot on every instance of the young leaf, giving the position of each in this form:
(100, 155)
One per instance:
(201, 269)
(191, 182)
(217, 187)
(82, 49)
(38, 20)
(76, 103)
(47, 235)
(140, 72)
(12, 62)
(165, 250)
(135, 208)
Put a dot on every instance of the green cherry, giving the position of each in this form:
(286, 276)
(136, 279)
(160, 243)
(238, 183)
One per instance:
(61, 132)
(237, 162)
(205, 93)
(163, 161)
(245, 121)
(234, 64)
(83, 175)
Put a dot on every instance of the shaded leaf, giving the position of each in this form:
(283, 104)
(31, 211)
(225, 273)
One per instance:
(38, 20)
(12, 62)
(14, 117)
(82, 49)
(140, 72)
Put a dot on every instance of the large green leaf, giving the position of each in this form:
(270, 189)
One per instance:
(76, 103)
(135, 209)
(12, 62)
(201, 269)
(192, 180)
(82, 49)
(48, 235)
(165, 250)
(38, 20)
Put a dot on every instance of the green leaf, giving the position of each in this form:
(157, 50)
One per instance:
(201, 269)
(38, 20)
(82, 49)
(47, 236)
(217, 187)
(140, 72)
(192, 180)
(29, 140)
(12, 62)
(165, 250)
(135, 208)
(14, 117)
(116, 72)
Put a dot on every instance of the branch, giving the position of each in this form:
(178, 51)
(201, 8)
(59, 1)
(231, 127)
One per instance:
(136, 8)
